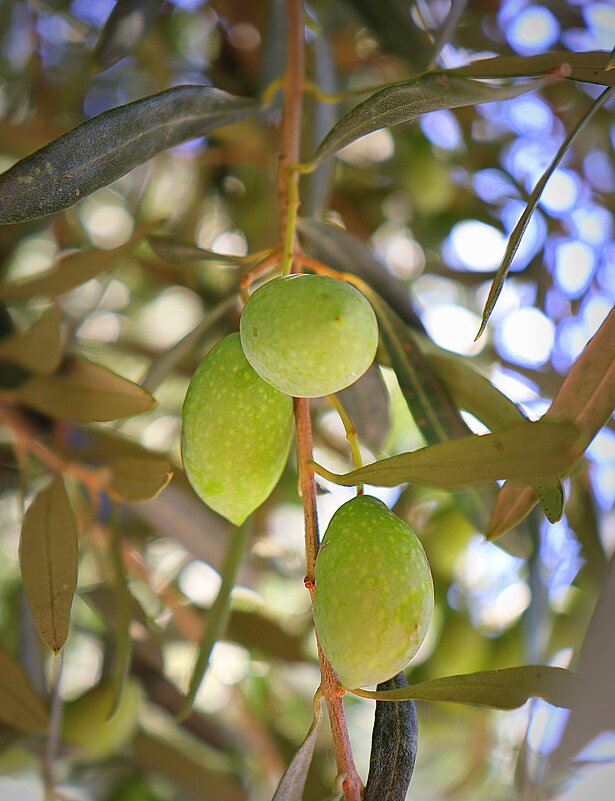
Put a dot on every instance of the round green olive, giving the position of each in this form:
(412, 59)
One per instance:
(309, 335)
(374, 593)
(236, 432)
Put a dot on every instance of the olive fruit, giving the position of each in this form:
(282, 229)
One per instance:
(374, 593)
(236, 432)
(309, 335)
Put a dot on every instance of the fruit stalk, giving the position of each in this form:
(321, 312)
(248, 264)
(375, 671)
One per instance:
(287, 194)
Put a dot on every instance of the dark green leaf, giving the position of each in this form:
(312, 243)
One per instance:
(72, 270)
(367, 404)
(591, 66)
(48, 555)
(125, 26)
(407, 100)
(526, 451)
(40, 347)
(111, 144)
(515, 238)
(394, 746)
(500, 689)
(292, 783)
(20, 705)
(82, 390)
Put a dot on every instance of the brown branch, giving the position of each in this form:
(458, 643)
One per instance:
(287, 195)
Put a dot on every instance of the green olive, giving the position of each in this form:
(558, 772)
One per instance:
(374, 593)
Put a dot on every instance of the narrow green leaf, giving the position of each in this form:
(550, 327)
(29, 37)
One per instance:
(124, 28)
(175, 250)
(72, 270)
(218, 615)
(407, 100)
(105, 147)
(48, 555)
(40, 347)
(394, 746)
(515, 238)
(20, 705)
(590, 66)
(82, 390)
(529, 450)
(292, 783)
(499, 689)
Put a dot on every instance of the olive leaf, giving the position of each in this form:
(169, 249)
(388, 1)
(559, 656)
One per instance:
(126, 25)
(175, 250)
(292, 782)
(405, 101)
(111, 144)
(122, 608)
(394, 746)
(499, 689)
(48, 556)
(20, 705)
(39, 348)
(82, 390)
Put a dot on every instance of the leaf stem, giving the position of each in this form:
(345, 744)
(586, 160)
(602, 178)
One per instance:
(351, 435)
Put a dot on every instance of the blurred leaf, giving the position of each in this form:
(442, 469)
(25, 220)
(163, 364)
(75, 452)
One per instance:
(343, 251)
(514, 239)
(218, 615)
(292, 783)
(40, 347)
(590, 66)
(500, 689)
(529, 450)
(447, 29)
(407, 100)
(175, 250)
(48, 556)
(192, 778)
(20, 705)
(586, 398)
(125, 26)
(390, 20)
(367, 404)
(72, 270)
(82, 390)
(394, 746)
(123, 607)
(259, 633)
(593, 707)
(107, 146)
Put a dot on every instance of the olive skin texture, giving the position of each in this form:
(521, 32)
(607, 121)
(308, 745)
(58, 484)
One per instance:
(373, 600)
(309, 335)
(236, 432)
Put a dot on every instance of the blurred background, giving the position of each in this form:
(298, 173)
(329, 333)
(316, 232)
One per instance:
(429, 207)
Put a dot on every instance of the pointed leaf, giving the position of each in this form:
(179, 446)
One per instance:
(20, 705)
(590, 66)
(126, 25)
(82, 390)
(500, 689)
(517, 234)
(72, 270)
(175, 250)
(40, 347)
(394, 747)
(105, 147)
(48, 555)
(292, 783)
(529, 450)
(407, 100)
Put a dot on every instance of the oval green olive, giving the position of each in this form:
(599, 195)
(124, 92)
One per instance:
(374, 593)
(236, 432)
(309, 335)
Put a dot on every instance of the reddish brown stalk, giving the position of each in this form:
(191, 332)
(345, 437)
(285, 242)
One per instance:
(287, 194)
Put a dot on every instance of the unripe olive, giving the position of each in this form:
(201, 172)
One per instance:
(374, 593)
(309, 335)
(236, 432)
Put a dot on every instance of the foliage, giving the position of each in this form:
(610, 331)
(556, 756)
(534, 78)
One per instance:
(140, 209)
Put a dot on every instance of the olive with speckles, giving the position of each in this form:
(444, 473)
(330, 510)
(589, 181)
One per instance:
(373, 600)
(309, 335)
(236, 432)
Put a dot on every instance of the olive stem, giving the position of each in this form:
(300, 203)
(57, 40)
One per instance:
(351, 435)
